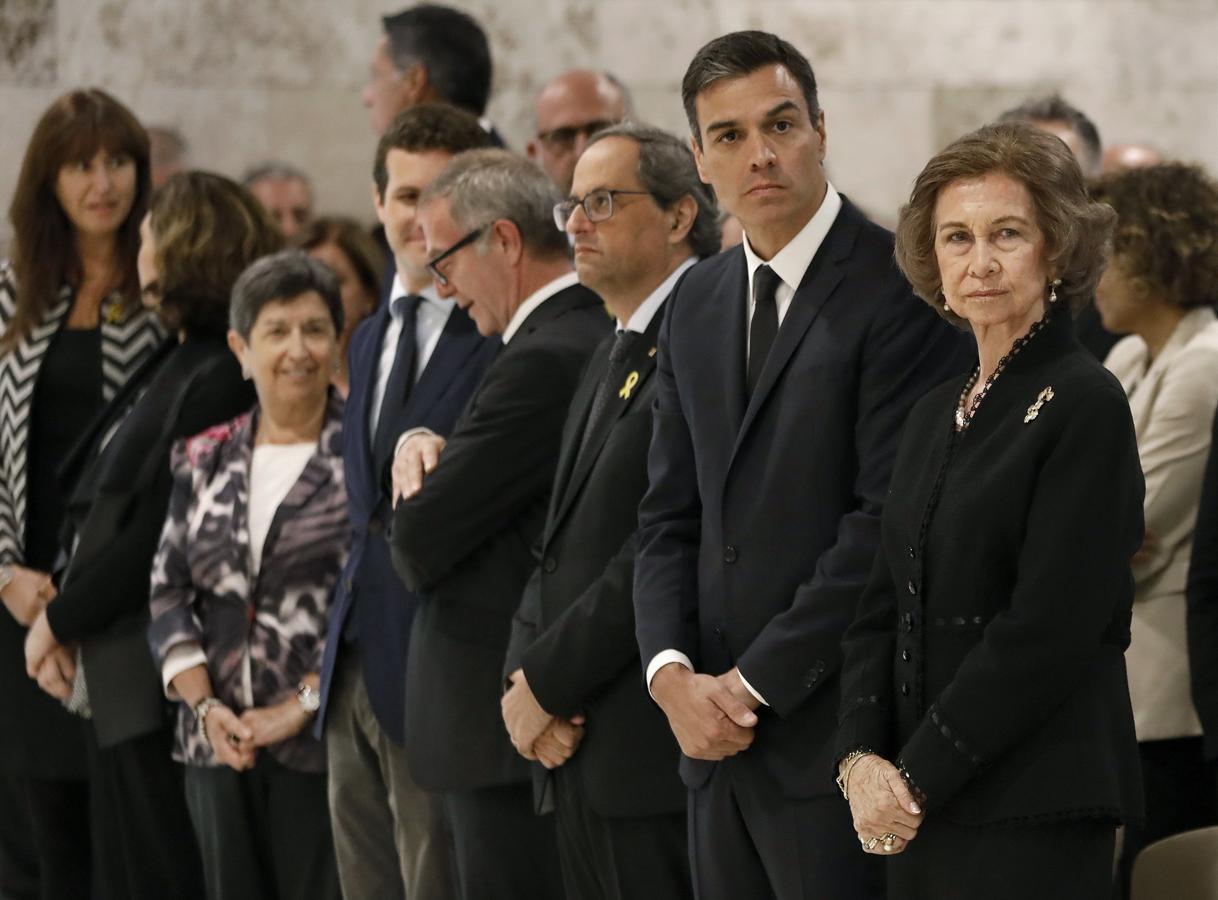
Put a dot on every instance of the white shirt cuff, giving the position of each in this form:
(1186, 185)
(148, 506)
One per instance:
(180, 657)
(663, 658)
(407, 435)
(748, 687)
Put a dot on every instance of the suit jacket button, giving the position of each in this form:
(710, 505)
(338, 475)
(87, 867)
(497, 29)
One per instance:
(729, 554)
(718, 632)
(905, 656)
(913, 587)
(549, 564)
(904, 688)
(913, 554)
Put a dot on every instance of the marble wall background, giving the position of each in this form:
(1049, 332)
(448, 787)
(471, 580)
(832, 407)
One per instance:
(248, 79)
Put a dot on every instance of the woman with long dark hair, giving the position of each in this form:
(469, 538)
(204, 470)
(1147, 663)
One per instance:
(72, 332)
(201, 231)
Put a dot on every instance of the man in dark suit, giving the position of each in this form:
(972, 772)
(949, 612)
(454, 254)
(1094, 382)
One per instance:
(474, 505)
(785, 370)
(415, 362)
(639, 217)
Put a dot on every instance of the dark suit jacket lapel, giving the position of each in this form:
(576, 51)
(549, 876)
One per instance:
(375, 342)
(642, 361)
(581, 406)
(735, 338)
(820, 281)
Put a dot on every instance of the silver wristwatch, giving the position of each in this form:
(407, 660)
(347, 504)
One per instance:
(6, 575)
(308, 698)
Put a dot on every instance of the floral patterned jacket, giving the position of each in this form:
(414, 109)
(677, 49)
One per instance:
(202, 589)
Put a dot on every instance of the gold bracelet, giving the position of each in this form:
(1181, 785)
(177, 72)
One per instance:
(844, 767)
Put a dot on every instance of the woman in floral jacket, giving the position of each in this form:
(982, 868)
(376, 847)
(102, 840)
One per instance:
(254, 542)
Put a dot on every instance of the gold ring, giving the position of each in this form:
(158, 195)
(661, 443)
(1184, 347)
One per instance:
(889, 839)
(869, 845)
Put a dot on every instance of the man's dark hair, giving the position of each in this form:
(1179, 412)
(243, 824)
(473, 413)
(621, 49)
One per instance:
(428, 126)
(451, 46)
(738, 54)
(1055, 109)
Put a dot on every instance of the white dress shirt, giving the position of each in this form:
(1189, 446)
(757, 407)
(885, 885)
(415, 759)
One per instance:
(430, 320)
(789, 264)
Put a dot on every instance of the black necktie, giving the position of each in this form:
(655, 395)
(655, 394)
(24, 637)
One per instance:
(610, 383)
(401, 377)
(764, 326)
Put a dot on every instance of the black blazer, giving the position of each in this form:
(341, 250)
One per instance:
(116, 510)
(465, 542)
(1202, 597)
(574, 632)
(988, 653)
(762, 516)
(370, 596)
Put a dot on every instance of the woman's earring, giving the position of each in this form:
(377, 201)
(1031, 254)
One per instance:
(946, 308)
(1053, 289)
(245, 372)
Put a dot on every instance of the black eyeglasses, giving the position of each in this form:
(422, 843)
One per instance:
(434, 265)
(597, 204)
(560, 139)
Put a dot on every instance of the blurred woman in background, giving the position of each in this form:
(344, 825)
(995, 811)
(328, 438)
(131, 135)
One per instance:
(1160, 290)
(72, 332)
(347, 248)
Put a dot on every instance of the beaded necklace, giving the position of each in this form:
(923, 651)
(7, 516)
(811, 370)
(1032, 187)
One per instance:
(964, 417)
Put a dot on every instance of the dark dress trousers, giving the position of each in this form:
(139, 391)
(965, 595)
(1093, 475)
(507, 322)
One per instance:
(116, 511)
(619, 803)
(988, 652)
(758, 530)
(464, 541)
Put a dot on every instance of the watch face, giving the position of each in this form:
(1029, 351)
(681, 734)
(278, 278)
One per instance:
(309, 699)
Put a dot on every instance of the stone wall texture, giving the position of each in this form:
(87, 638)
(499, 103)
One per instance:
(245, 80)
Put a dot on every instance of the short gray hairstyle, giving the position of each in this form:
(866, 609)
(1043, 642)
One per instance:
(483, 186)
(282, 276)
(668, 172)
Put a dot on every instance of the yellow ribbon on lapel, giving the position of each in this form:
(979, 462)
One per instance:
(631, 380)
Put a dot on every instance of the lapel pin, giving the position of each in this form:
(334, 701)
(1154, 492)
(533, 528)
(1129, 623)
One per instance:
(1041, 399)
(631, 380)
(651, 352)
(114, 313)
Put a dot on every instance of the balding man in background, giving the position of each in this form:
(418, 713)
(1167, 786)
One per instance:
(285, 192)
(1130, 156)
(570, 109)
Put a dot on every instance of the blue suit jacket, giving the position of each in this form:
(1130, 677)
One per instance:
(369, 589)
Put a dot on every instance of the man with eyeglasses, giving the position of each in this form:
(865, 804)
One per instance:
(570, 109)
(471, 508)
(638, 218)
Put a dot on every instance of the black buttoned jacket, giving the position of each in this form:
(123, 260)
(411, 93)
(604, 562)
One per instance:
(988, 651)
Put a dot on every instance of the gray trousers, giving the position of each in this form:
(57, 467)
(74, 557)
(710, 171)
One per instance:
(388, 832)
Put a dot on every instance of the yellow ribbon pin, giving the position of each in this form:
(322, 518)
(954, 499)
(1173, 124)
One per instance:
(631, 380)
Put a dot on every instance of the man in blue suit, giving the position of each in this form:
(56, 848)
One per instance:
(413, 364)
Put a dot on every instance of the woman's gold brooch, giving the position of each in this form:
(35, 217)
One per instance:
(1041, 399)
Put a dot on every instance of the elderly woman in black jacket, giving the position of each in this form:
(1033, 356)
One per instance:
(986, 739)
(200, 232)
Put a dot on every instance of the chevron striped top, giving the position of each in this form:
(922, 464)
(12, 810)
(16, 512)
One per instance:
(125, 345)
